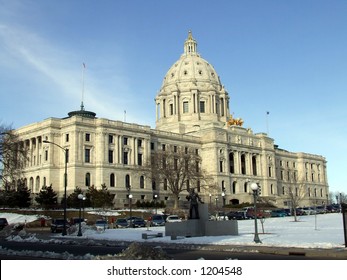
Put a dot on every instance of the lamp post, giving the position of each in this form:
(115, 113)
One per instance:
(223, 197)
(155, 203)
(255, 188)
(80, 197)
(130, 202)
(65, 182)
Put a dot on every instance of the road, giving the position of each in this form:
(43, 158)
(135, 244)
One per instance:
(179, 253)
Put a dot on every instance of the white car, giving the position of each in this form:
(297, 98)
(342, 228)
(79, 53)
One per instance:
(173, 219)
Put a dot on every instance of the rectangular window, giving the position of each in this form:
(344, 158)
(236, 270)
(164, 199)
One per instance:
(110, 156)
(139, 159)
(152, 146)
(67, 137)
(185, 107)
(110, 139)
(202, 106)
(125, 157)
(175, 149)
(139, 142)
(125, 141)
(87, 137)
(46, 155)
(87, 155)
(221, 166)
(171, 109)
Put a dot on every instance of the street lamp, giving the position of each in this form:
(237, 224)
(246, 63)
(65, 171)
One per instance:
(155, 203)
(255, 188)
(81, 198)
(130, 202)
(65, 182)
(223, 197)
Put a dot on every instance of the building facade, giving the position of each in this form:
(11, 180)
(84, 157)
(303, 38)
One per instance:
(192, 111)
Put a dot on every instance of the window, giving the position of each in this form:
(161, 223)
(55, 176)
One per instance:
(185, 107)
(152, 146)
(112, 180)
(165, 184)
(175, 149)
(163, 147)
(231, 163)
(67, 137)
(243, 164)
(110, 139)
(110, 156)
(142, 182)
(220, 166)
(87, 179)
(87, 155)
(171, 109)
(87, 137)
(139, 159)
(154, 186)
(127, 182)
(46, 155)
(139, 142)
(125, 157)
(254, 165)
(202, 106)
(125, 141)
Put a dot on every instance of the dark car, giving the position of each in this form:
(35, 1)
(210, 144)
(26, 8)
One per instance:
(121, 223)
(58, 225)
(237, 215)
(136, 222)
(157, 220)
(3, 223)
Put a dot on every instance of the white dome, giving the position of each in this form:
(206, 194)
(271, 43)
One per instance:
(191, 68)
(191, 94)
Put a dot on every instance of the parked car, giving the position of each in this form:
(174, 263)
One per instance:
(156, 220)
(173, 219)
(237, 215)
(136, 222)
(58, 225)
(3, 223)
(309, 211)
(320, 209)
(121, 223)
(101, 224)
(278, 213)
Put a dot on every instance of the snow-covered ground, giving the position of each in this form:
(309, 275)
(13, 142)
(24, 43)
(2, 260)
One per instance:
(315, 231)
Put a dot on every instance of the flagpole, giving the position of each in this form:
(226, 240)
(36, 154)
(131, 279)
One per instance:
(83, 69)
(267, 122)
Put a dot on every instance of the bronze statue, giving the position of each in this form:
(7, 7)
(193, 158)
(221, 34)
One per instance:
(194, 198)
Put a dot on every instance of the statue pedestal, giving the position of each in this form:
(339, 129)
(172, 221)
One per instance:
(202, 226)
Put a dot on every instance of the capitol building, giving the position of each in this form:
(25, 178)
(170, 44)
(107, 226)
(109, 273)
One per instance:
(192, 112)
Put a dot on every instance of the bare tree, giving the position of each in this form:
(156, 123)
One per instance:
(12, 157)
(295, 194)
(178, 170)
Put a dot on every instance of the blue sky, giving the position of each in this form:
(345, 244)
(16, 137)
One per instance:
(285, 57)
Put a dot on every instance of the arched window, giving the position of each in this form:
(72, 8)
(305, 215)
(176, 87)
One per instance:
(234, 187)
(87, 179)
(112, 180)
(37, 184)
